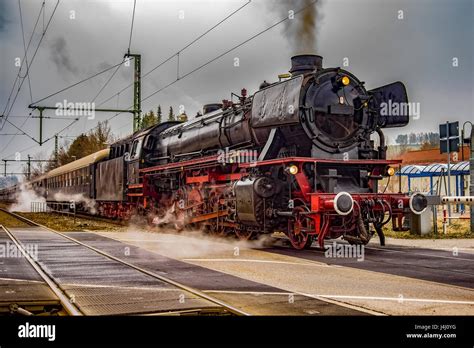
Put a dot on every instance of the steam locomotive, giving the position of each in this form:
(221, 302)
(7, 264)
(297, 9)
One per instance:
(295, 157)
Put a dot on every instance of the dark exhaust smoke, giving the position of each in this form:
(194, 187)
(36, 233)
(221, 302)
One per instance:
(300, 28)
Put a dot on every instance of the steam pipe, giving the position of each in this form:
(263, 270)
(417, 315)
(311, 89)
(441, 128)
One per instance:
(382, 146)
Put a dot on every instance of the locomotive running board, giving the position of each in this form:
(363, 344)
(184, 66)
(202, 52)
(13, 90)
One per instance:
(209, 216)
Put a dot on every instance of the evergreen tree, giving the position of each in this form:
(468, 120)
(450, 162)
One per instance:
(158, 115)
(149, 120)
(171, 116)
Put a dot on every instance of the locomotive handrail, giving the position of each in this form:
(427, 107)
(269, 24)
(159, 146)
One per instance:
(261, 163)
(317, 160)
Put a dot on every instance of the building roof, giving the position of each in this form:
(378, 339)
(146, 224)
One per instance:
(434, 169)
(411, 170)
(460, 167)
(425, 157)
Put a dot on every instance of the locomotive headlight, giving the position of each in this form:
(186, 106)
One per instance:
(390, 171)
(293, 170)
(345, 80)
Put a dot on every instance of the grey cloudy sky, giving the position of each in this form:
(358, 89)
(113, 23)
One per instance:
(381, 48)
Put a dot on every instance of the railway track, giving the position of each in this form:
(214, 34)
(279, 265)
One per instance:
(57, 285)
(64, 301)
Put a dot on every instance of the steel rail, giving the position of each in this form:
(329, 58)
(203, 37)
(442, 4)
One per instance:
(65, 301)
(193, 291)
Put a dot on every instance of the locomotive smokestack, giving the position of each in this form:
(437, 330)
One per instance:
(305, 63)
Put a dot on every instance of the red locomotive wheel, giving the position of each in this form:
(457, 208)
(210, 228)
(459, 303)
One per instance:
(297, 235)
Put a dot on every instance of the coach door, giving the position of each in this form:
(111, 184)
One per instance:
(133, 161)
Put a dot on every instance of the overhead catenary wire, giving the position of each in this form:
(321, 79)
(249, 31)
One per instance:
(22, 131)
(131, 27)
(226, 52)
(206, 63)
(181, 50)
(117, 66)
(150, 71)
(107, 82)
(27, 48)
(5, 116)
(31, 62)
(215, 58)
(24, 48)
(79, 82)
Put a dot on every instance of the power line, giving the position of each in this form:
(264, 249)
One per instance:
(226, 52)
(35, 145)
(181, 50)
(131, 28)
(62, 130)
(31, 61)
(79, 82)
(20, 130)
(107, 82)
(27, 48)
(217, 57)
(5, 116)
(96, 74)
(24, 47)
(213, 59)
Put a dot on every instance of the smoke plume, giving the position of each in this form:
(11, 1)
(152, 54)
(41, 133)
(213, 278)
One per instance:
(61, 56)
(301, 26)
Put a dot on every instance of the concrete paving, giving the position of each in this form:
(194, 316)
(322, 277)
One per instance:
(253, 297)
(293, 271)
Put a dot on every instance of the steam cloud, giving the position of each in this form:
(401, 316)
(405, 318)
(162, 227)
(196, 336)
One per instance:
(24, 198)
(89, 204)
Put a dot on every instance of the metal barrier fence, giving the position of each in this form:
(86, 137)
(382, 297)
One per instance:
(64, 208)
